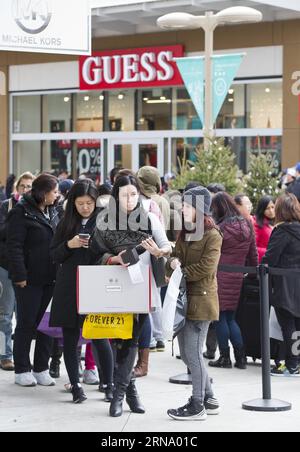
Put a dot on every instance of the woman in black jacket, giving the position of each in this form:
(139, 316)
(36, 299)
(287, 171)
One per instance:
(124, 227)
(31, 226)
(284, 252)
(70, 251)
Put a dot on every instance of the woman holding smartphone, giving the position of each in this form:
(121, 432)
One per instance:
(124, 227)
(70, 249)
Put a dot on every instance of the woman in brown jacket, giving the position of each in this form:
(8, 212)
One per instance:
(198, 255)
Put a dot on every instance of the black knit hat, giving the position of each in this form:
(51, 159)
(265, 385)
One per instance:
(200, 198)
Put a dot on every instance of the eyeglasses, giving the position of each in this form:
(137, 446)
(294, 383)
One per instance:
(29, 187)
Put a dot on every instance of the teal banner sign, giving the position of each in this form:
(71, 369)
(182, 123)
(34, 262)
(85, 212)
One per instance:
(192, 72)
(225, 69)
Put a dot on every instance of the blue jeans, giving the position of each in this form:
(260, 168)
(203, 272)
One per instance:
(228, 330)
(7, 307)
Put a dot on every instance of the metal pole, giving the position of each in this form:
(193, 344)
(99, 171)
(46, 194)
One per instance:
(266, 404)
(209, 29)
(265, 330)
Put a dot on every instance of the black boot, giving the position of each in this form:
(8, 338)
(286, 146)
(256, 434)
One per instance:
(109, 392)
(78, 394)
(240, 358)
(125, 362)
(133, 400)
(54, 368)
(224, 361)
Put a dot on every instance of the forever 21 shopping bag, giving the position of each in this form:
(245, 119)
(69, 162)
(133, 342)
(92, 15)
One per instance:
(108, 326)
(109, 289)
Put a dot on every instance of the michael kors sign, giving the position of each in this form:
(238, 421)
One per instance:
(47, 26)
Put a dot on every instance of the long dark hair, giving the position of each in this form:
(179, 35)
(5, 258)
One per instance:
(225, 211)
(260, 211)
(124, 181)
(71, 222)
(224, 208)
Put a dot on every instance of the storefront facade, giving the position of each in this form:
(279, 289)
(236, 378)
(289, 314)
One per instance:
(83, 118)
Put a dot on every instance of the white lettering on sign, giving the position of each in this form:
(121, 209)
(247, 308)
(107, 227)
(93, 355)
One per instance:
(164, 59)
(149, 74)
(131, 68)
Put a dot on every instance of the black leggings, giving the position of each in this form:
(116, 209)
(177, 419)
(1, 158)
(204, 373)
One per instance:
(104, 356)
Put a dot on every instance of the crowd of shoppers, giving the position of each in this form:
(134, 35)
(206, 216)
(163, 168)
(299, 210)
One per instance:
(49, 226)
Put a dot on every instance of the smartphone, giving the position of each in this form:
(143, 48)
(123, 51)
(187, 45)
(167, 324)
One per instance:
(140, 249)
(85, 237)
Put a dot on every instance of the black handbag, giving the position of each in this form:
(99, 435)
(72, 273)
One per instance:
(159, 271)
(181, 309)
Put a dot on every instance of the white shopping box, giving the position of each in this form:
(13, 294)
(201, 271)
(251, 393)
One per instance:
(109, 289)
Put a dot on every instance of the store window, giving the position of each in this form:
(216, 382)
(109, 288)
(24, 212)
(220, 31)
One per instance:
(154, 109)
(271, 145)
(265, 105)
(121, 110)
(57, 157)
(184, 148)
(233, 114)
(89, 112)
(27, 114)
(27, 157)
(185, 116)
(57, 115)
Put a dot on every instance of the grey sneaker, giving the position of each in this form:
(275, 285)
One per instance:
(90, 377)
(26, 380)
(44, 379)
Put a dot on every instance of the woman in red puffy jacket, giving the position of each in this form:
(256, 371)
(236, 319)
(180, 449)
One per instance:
(263, 223)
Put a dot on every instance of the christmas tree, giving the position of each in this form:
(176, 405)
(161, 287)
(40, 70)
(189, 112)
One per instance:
(261, 180)
(215, 165)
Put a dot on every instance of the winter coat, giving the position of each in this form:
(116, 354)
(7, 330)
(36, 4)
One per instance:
(29, 235)
(5, 208)
(294, 188)
(239, 248)
(263, 235)
(200, 263)
(284, 252)
(109, 243)
(64, 304)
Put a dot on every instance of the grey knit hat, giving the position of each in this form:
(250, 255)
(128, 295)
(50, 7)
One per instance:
(200, 198)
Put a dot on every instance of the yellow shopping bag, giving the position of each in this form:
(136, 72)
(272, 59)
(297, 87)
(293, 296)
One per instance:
(108, 326)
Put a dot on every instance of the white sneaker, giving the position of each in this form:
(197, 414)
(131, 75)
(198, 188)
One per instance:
(26, 380)
(44, 379)
(90, 377)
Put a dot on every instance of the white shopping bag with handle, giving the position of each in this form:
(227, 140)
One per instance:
(170, 303)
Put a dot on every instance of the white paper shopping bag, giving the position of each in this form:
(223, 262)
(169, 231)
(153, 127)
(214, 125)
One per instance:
(109, 289)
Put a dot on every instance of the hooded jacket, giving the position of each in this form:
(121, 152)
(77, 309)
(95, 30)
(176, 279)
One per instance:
(150, 185)
(239, 248)
(284, 252)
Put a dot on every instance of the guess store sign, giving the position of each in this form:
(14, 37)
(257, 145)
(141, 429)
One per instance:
(133, 68)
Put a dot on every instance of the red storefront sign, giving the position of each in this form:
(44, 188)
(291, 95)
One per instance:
(132, 68)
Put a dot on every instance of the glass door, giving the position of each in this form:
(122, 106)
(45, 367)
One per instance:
(133, 154)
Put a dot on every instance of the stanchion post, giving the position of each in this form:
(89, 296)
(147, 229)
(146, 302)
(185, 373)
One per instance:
(266, 404)
(265, 330)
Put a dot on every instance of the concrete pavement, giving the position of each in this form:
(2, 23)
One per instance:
(50, 409)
